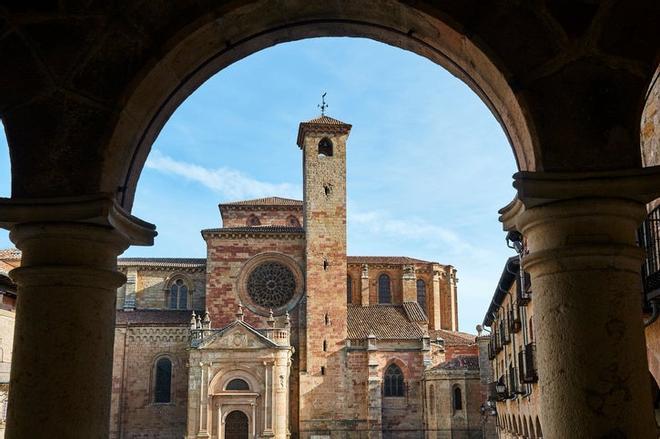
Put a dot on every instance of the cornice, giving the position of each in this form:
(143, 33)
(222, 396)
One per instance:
(98, 209)
(233, 233)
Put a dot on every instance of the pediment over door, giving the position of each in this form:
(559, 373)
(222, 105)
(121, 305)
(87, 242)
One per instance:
(237, 336)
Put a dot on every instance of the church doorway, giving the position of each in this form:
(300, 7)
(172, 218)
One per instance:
(236, 425)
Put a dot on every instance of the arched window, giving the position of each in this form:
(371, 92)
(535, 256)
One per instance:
(421, 293)
(178, 295)
(458, 399)
(349, 290)
(393, 381)
(384, 291)
(253, 220)
(163, 385)
(237, 384)
(325, 147)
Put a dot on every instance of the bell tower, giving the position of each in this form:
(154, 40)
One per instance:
(322, 377)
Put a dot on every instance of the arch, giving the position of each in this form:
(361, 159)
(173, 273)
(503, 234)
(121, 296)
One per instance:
(162, 383)
(457, 398)
(393, 381)
(325, 147)
(349, 289)
(206, 48)
(421, 293)
(236, 425)
(384, 289)
(221, 378)
(238, 384)
(539, 432)
(525, 431)
(179, 290)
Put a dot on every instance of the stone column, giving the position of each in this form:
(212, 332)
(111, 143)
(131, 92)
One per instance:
(364, 286)
(65, 317)
(280, 392)
(585, 271)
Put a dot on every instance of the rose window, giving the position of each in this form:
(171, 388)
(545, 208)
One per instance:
(271, 285)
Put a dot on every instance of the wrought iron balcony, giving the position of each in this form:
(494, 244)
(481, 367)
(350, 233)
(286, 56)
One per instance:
(523, 288)
(648, 237)
(527, 364)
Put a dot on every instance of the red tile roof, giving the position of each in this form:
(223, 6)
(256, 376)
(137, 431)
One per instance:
(453, 338)
(10, 253)
(325, 120)
(383, 321)
(469, 362)
(268, 201)
(163, 262)
(415, 312)
(402, 260)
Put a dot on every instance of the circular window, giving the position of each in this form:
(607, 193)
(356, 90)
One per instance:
(271, 285)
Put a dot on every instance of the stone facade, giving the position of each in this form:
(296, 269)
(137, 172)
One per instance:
(7, 318)
(278, 333)
(513, 387)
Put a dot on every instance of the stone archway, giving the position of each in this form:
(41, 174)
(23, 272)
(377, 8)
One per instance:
(236, 425)
(84, 92)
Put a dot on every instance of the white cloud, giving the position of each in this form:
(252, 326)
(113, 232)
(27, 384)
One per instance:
(382, 223)
(231, 183)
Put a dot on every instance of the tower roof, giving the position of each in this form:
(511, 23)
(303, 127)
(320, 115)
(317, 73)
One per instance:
(322, 125)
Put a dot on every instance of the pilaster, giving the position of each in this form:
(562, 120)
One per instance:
(409, 284)
(364, 286)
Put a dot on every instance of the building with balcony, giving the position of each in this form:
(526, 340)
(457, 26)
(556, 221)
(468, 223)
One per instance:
(513, 390)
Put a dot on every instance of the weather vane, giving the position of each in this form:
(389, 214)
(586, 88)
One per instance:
(323, 105)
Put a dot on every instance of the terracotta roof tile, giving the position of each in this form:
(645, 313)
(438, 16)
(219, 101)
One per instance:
(386, 260)
(154, 317)
(453, 338)
(325, 120)
(268, 201)
(469, 362)
(10, 253)
(415, 312)
(163, 262)
(383, 321)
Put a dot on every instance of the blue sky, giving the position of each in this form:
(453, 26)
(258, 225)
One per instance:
(428, 164)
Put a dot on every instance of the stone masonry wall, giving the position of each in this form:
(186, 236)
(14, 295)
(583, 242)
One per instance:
(324, 381)
(280, 216)
(225, 258)
(151, 287)
(134, 415)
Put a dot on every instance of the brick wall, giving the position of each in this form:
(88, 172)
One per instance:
(133, 412)
(274, 216)
(324, 381)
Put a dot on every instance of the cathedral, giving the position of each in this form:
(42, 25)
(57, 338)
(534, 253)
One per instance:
(278, 333)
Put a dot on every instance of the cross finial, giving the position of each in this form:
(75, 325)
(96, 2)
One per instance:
(323, 105)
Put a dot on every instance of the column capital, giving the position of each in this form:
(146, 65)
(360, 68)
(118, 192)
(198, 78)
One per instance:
(96, 209)
(538, 188)
(535, 189)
